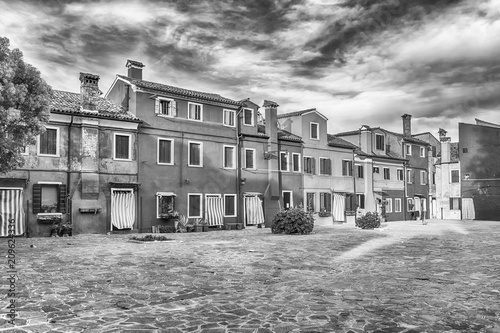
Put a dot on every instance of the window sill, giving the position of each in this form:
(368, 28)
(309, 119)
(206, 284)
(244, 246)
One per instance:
(231, 126)
(195, 166)
(165, 116)
(164, 163)
(197, 120)
(122, 159)
(48, 155)
(249, 125)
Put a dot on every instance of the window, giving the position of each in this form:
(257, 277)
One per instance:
(195, 155)
(229, 157)
(165, 151)
(455, 203)
(165, 107)
(165, 204)
(360, 201)
(249, 158)
(455, 176)
(229, 116)
(229, 205)
(359, 171)
(346, 168)
(325, 166)
(388, 205)
(423, 177)
(49, 198)
(194, 205)
(283, 161)
(397, 205)
(325, 202)
(379, 142)
(410, 205)
(387, 173)
(315, 131)
(408, 149)
(195, 111)
(409, 176)
(422, 151)
(287, 199)
(48, 142)
(376, 170)
(400, 174)
(248, 117)
(122, 147)
(310, 197)
(295, 162)
(433, 178)
(310, 165)
(24, 150)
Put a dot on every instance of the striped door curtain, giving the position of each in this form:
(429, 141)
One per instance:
(11, 208)
(123, 209)
(253, 210)
(417, 204)
(214, 212)
(468, 212)
(338, 207)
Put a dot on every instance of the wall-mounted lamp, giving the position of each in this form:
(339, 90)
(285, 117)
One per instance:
(186, 181)
(243, 180)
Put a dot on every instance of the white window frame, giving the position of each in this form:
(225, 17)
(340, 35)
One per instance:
(422, 151)
(376, 169)
(287, 161)
(291, 198)
(395, 205)
(233, 112)
(358, 167)
(383, 141)
(160, 195)
(402, 173)
(311, 131)
(58, 142)
(171, 151)
(235, 198)
(296, 154)
(26, 151)
(408, 176)
(251, 110)
(423, 178)
(388, 206)
(224, 157)
(201, 111)
(389, 173)
(201, 204)
(129, 146)
(253, 158)
(408, 149)
(201, 154)
(170, 101)
(349, 170)
(451, 177)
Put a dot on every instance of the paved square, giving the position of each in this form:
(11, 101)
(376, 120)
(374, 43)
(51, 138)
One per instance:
(406, 277)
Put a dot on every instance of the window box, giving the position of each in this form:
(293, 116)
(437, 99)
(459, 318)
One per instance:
(49, 218)
(89, 210)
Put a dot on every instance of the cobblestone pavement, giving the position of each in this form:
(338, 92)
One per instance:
(405, 277)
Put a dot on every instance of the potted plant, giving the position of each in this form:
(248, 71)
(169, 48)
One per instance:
(181, 224)
(198, 225)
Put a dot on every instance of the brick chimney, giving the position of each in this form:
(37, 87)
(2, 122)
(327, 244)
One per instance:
(134, 69)
(89, 91)
(365, 139)
(271, 111)
(406, 125)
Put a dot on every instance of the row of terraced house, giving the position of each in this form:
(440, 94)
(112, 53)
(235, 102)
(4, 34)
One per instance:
(131, 159)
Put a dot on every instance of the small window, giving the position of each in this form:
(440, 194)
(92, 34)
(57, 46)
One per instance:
(283, 161)
(165, 107)
(388, 205)
(400, 174)
(49, 198)
(165, 151)
(455, 176)
(379, 142)
(165, 204)
(465, 150)
(325, 202)
(325, 166)
(359, 171)
(410, 205)
(454, 203)
(295, 162)
(310, 197)
(376, 170)
(309, 165)
(249, 158)
(230, 205)
(48, 142)
(195, 154)
(248, 117)
(195, 111)
(194, 205)
(422, 151)
(409, 176)
(229, 157)
(397, 205)
(433, 178)
(24, 150)
(360, 201)
(229, 116)
(387, 173)
(408, 149)
(287, 199)
(315, 131)
(423, 177)
(346, 168)
(122, 147)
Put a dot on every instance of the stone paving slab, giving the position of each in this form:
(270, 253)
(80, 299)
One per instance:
(404, 277)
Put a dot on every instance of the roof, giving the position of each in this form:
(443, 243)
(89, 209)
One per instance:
(348, 133)
(282, 134)
(134, 63)
(69, 102)
(163, 88)
(407, 138)
(300, 113)
(338, 142)
(270, 104)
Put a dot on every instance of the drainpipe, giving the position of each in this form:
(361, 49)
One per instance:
(68, 176)
(405, 180)
(239, 195)
(354, 188)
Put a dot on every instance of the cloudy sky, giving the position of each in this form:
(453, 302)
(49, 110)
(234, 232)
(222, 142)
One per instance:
(356, 61)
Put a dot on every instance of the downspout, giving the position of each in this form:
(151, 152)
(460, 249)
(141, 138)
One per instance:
(354, 188)
(405, 180)
(68, 176)
(139, 202)
(181, 181)
(238, 167)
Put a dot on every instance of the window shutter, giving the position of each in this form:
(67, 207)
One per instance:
(413, 176)
(37, 198)
(174, 108)
(328, 166)
(313, 166)
(62, 199)
(157, 106)
(344, 168)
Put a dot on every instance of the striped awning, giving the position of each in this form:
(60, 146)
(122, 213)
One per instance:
(11, 209)
(253, 210)
(214, 211)
(123, 209)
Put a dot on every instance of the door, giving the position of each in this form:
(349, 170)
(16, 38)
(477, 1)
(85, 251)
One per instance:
(287, 199)
(123, 209)
(11, 212)
(254, 212)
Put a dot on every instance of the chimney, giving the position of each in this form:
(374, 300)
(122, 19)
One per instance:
(271, 120)
(442, 132)
(134, 69)
(365, 140)
(272, 146)
(89, 91)
(445, 149)
(406, 125)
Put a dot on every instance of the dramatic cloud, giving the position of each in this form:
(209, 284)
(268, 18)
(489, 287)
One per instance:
(357, 61)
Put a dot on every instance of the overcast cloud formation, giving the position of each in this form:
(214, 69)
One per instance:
(357, 61)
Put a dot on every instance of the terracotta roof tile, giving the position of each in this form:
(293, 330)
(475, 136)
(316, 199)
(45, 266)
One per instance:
(295, 113)
(338, 142)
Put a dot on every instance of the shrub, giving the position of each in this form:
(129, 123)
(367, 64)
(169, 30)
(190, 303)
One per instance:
(371, 220)
(149, 238)
(165, 229)
(292, 221)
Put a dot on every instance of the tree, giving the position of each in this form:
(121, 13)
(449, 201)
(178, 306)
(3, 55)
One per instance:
(24, 106)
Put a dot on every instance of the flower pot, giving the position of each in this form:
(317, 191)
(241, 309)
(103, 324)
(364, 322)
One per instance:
(198, 228)
(205, 228)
